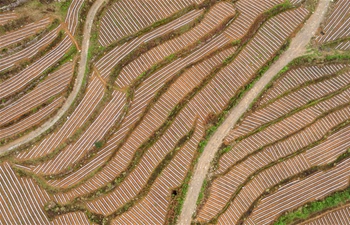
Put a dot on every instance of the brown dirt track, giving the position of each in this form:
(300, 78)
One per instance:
(296, 49)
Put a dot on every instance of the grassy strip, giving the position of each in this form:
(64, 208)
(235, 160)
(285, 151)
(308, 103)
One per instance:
(97, 50)
(202, 191)
(10, 49)
(251, 176)
(68, 56)
(62, 119)
(217, 120)
(137, 82)
(139, 153)
(58, 210)
(321, 116)
(25, 62)
(9, 154)
(313, 209)
(305, 60)
(302, 175)
(65, 94)
(107, 96)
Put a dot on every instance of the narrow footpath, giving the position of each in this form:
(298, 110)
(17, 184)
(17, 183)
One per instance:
(297, 48)
(78, 82)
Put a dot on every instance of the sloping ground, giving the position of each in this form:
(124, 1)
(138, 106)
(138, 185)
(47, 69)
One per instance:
(338, 216)
(147, 94)
(337, 26)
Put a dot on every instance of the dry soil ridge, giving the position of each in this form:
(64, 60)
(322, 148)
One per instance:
(297, 48)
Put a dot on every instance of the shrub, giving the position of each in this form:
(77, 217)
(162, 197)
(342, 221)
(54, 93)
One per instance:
(98, 144)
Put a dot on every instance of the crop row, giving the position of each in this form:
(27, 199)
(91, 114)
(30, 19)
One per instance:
(225, 186)
(127, 17)
(94, 92)
(21, 200)
(337, 216)
(19, 81)
(345, 45)
(247, 15)
(202, 113)
(198, 101)
(300, 192)
(337, 26)
(28, 52)
(212, 20)
(275, 112)
(32, 120)
(252, 185)
(26, 31)
(94, 133)
(6, 17)
(53, 85)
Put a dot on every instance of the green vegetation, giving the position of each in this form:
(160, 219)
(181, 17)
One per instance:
(234, 101)
(98, 144)
(74, 206)
(131, 89)
(335, 199)
(201, 193)
(23, 64)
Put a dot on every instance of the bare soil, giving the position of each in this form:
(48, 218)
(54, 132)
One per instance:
(297, 48)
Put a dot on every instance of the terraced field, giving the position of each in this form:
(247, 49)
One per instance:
(114, 112)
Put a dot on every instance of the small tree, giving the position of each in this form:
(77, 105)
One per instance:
(98, 144)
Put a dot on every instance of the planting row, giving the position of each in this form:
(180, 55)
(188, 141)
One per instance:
(158, 79)
(337, 25)
(53, 85)
(345, 45)
(21, 200)
(291, 86)
(249, 11)
(18, 82)
(213, 19)
(225, 189)
(32, 120)
(137, 174)
(226, 186)
(290, 104)
(25, 32)
(337, 216)
(205, 95)
(151, 121)
(193, 108)
(299, 192)
(128, 17)
(6, 17)
(95, 91)
(28, 52)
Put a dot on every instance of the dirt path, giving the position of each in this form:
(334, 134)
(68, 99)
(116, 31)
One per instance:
(78, 82)
(65, 28)
(296, 49)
